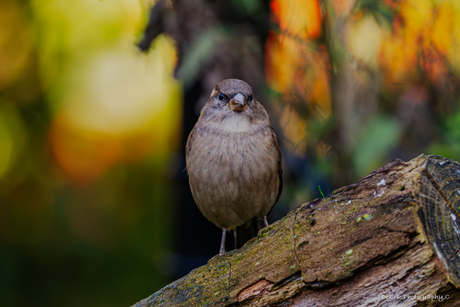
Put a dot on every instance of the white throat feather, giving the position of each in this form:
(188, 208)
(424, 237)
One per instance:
(234, 123)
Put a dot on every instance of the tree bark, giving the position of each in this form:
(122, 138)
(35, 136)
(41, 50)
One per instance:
(392, 239)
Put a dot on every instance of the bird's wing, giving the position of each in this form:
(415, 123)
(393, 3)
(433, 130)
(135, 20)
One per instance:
(280, 166)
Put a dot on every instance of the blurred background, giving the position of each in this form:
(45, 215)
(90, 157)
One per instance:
(97, 99)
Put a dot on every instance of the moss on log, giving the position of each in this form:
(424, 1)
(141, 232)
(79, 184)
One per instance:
(393, 238)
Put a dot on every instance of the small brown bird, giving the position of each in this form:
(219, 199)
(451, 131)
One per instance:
(234, 159)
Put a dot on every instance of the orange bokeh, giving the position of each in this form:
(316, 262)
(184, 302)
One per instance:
(85, 155)
(298, 18)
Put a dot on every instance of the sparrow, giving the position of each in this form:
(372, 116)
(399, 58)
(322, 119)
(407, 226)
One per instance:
(233, 159)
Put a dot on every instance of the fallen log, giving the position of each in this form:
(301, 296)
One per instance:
(391, 239)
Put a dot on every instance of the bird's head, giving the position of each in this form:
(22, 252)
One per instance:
(232, 94)
(233, 99)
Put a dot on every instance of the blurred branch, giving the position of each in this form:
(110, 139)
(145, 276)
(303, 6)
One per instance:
(155, 25)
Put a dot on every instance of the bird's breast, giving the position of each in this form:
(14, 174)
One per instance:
(229, 156)
(233, 174)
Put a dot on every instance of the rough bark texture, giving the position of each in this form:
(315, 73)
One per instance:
(392, 239)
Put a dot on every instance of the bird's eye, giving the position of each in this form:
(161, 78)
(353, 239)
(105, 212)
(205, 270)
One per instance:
(250, 98)
(221, 96)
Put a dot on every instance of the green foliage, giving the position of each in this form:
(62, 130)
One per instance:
(199, 52)
(249, 6)
(373, 144)
(449, 144)
(379, 9)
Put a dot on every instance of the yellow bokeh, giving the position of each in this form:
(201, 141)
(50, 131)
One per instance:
(446, 33)
(110, 103)
(120, 91)
(122, 106)
(69, 30)
(417, 16)
(364, 39)
(443, 27)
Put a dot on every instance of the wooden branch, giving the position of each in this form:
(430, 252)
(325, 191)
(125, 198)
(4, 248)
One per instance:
(391, 239)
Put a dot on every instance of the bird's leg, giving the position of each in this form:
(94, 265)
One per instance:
(265, 221)
(265, 225)
(222, 242)
(235, 237)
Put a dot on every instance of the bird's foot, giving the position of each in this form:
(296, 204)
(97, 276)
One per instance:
(265, 225)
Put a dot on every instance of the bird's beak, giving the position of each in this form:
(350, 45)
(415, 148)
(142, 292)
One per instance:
(237, 103)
